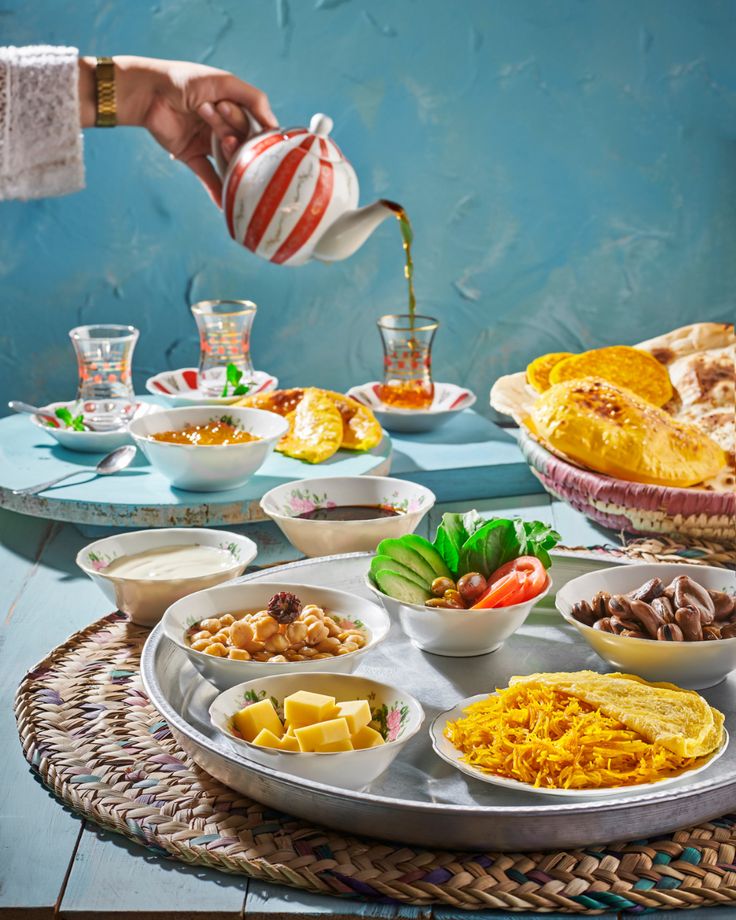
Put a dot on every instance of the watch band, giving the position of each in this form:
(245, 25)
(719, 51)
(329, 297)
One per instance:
(105, 83)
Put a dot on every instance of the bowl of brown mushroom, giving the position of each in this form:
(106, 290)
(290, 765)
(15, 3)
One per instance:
(662, 621)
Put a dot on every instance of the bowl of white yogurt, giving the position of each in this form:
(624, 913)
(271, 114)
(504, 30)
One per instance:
(144, 572)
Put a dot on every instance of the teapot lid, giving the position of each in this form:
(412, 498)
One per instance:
(325, 148)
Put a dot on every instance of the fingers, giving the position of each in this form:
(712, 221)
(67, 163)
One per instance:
(235, 117)
(208, 113)
(251, 98)
(205, 172)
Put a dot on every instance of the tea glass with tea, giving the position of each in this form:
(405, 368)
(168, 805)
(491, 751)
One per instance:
(224, 338)
(407, 360)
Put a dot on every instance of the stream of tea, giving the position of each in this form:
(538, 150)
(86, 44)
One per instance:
(407, 380)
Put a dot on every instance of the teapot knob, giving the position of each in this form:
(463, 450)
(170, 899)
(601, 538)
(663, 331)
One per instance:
(321, 125)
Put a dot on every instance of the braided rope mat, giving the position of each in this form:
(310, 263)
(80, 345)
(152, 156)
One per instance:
(666, 549)
(93, 738)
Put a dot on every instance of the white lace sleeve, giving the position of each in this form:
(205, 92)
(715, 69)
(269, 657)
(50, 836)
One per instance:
(41, 150)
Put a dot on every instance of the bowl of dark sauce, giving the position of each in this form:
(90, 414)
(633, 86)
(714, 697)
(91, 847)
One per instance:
(346, 514)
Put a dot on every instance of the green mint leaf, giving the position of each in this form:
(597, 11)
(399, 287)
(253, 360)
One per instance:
(64, 415)
(78, 423)
(241, 389)
(224, 390)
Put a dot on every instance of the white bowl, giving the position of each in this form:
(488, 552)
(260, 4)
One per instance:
(146, 599)
(457, 633)
(349, 769)
(694, 665)
(226, 672)
(89, 442)
(181, 388)
(321, 538)
(448, 399)
(444, 748)
(208, 468)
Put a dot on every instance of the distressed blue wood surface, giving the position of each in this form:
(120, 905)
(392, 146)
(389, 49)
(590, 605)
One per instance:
(489, 464)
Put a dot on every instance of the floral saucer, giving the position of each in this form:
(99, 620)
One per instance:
(448, 399)
(179, 388)
(89, 442)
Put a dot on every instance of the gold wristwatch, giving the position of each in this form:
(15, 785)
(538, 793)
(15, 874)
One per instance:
(105, 84)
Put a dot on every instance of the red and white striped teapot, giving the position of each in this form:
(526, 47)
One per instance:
(290, 195)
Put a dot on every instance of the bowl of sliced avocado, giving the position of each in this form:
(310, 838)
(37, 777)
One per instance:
(469, 590)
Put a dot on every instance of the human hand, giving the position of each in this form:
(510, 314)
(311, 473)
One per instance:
(182, 105)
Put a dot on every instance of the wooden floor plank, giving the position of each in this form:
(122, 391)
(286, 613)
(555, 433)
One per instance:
(29, 816)
(276, 902)
(114, 879)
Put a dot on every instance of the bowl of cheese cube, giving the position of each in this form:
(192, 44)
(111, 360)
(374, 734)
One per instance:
(238, 632)
(336, 729)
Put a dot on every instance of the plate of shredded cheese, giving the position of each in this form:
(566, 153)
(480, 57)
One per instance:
(581, 734)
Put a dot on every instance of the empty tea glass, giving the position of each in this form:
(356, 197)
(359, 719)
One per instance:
(407, 360)
(104, 359)
(224, 338)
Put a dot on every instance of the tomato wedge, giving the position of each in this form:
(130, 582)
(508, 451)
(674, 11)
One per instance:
(513, 583)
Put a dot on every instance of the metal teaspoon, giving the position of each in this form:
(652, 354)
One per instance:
(114, 462)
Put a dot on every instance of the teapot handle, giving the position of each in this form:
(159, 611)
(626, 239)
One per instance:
(220, 162)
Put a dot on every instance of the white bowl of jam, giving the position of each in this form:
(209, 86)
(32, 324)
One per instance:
(346, 514)
(207, 449)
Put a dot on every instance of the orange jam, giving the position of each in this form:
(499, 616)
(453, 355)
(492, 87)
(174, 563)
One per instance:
(219, 432)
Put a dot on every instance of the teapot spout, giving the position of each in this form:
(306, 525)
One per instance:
(352, 229)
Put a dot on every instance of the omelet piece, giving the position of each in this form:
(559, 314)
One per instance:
(361, 429)
(621, 365)
(613, 431)
(537, 373)
(679, 720)
(315, 428)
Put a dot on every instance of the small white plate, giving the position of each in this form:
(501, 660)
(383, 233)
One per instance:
(179, 388)
(449, 753)
(89, 442)
(448, 399)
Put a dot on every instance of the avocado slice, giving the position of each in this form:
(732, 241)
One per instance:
(400, 588)
(430, 554)
(397, 549)
(388, 563)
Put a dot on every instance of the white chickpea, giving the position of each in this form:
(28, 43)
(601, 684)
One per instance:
(217, 649)
(313, 610)
(316, 632)
(277, 643)
(350, 647)
(254, 646)
(222, 636)
(296, 632)
(307, 651)
(265, 627)
(323, 655)
(201, 645)
(227, 619)
(294, 656)
(278, 659)
(332, 627)
(211, 625)
(241, 633)
(239, 654)
(262, 656)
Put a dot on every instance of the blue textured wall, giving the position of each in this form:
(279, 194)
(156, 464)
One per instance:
(570, 168)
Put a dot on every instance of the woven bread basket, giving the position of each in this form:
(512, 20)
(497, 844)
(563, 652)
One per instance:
(631, 506)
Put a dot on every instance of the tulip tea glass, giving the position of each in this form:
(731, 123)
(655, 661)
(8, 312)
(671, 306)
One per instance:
(407, 361)
(224, 338)
(104, 359)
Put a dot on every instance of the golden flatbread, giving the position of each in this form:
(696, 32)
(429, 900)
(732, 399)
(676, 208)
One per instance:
(537, 373)
(614, 431)
(621, 365)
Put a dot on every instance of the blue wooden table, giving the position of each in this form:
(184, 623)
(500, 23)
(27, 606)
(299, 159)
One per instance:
(55, 863)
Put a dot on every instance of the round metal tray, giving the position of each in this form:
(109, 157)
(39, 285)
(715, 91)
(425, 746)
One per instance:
(420, 799)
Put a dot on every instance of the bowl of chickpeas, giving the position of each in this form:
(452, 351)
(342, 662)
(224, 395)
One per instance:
(239, 632)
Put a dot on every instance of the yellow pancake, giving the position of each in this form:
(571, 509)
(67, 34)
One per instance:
(613, 431)
(315, 428)
(680, 720)
(619, 364)
(537, 373)
(361, 430)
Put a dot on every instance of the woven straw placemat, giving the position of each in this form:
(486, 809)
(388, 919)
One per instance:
(666, 549)
(94, 739)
